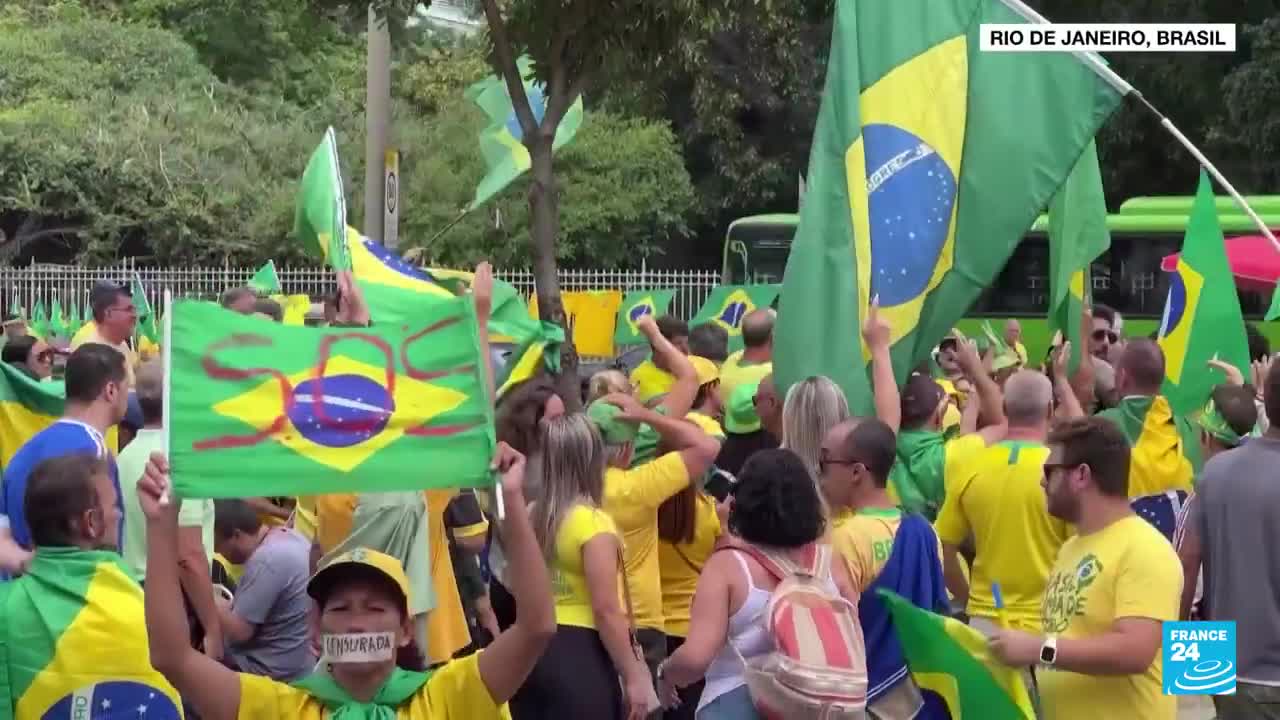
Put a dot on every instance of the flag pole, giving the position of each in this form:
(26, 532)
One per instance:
(166, 393)
(1122, 86)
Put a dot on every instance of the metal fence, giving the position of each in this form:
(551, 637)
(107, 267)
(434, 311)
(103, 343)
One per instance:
(70, 285)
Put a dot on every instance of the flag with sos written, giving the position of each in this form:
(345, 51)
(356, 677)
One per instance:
(260, 408)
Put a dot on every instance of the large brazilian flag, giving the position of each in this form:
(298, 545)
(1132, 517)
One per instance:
(73, 643)
(929, 162)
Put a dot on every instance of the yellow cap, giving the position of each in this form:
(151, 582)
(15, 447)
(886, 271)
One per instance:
(339, 567)
(707, 370)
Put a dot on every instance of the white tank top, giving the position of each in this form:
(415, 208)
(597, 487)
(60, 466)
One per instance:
(747, 633)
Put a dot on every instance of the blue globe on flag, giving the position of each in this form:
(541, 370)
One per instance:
(339, 411)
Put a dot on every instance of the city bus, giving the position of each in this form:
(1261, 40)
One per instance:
(1127, 277)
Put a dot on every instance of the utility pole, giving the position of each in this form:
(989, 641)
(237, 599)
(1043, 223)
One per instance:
(377, 123)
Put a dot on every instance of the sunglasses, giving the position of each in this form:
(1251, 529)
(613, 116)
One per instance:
(1109, 335)
(826, 462)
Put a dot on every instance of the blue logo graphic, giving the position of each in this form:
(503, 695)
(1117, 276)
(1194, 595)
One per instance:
(732, 313)
(114, 699)
(911, 193)
(640, 311)
(353, 409)
(1175, 305)
(1199, 658)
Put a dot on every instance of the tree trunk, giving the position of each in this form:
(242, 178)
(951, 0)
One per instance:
(544, 213)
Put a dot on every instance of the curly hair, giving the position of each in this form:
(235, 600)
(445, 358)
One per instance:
(775, 502)
(520, 410)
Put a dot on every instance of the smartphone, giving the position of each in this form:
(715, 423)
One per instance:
(720, 484)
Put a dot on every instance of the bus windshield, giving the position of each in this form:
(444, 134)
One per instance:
(756, 249)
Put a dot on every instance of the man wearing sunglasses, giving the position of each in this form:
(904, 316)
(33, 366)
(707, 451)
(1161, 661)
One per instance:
(1110, 589)
(114, 319)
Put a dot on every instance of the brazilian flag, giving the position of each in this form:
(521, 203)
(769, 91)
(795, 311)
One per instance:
(636, 305)
(1077, 236)
(929, 162)
(728, 304)
(269, 409)
(74, 642)
(950, 662)
(1202, 318)
(26, 408)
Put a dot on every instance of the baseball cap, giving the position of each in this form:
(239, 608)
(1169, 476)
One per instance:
(615, 430)
(320, 584)
(740, 415)
(921, 397)
(706, 369)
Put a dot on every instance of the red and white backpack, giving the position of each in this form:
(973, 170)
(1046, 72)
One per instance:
(818, 667)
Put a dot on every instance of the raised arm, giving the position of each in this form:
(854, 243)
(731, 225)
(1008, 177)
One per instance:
(696, 448)
(482, 292)
(992, 400)
(679, 400)
(506, 663)
(211, 688)
(1069, 403)
(877, 334)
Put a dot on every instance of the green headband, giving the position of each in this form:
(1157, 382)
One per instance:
(1213, 423)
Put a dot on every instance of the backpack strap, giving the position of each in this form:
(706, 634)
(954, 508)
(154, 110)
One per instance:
(781, 565)
(631, 613)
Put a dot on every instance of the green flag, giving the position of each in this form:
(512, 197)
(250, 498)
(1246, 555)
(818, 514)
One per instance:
(1077, 236)
(269, 409)
(16, 309)
(635, 305)
(949, 658)
(57, 321)
(265, 280)
(1202, 318)
(76, 641)
(502, 142)
(1273, 312)
(74, 321)
(86, 313)
(728, 304)
(39, 323)
(930, 160)
(320, 221)
(148, 327)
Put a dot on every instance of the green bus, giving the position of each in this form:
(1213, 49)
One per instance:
(1127, 277)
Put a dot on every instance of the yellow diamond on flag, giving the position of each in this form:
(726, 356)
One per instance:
(735, 307)
(345, 417)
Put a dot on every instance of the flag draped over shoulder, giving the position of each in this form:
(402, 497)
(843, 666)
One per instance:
(728, 304)
(320, 220)
(26, 408)
(269, 409)
(1077, 236)
(929, 161)
(1202, 318)
(502, 141)
(635, 305)
(950, 659)
(74, 641)
(1165, 445)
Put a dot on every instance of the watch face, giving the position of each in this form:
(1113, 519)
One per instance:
(1047, 654)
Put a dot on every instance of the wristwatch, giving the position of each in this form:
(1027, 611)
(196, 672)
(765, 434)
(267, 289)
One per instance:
(1049, 651)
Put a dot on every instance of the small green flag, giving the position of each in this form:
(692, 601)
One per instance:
(16, 309)
(951, 659)
(1077, 236)
(57, 321)
(39, 323)
(74, 321)
(272, 409)
(502, 142)
(1202, 315)
(727, 305)
(147, 327)
(636, 305)
(266, 281)
(320, 221)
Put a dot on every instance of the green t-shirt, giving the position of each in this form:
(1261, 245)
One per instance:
(195, 512)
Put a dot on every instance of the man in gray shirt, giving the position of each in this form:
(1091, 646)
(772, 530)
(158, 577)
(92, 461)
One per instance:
(1236, 513)
(266, 624)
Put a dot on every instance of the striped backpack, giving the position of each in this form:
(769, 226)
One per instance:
(818, 667)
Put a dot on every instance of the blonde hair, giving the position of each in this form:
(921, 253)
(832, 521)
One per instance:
(811, 409)
(607, 382)
(570, 471)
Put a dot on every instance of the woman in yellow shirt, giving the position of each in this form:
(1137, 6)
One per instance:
(688, 527)
(578, 675)
(358, 592)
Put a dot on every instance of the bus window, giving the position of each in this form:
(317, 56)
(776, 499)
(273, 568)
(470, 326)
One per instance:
(756, 249)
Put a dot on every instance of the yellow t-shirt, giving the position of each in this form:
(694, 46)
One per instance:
(734, 372)
(864, 540)
(447, 630)
(130, 357)
(1000, 501)
(454, 692)
(708, 424)
(1127, 569)
(304, 516)
(568, 574)
(334, 515)
(632, 498)
(651, 381)
(681, 564)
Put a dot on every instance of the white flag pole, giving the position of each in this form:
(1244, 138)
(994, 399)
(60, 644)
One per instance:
(166, 393)
(1122, 86)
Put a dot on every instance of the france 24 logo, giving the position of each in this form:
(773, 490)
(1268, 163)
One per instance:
(1199, 658)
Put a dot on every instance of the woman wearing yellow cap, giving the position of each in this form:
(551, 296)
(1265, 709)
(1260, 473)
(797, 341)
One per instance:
(362, 598)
